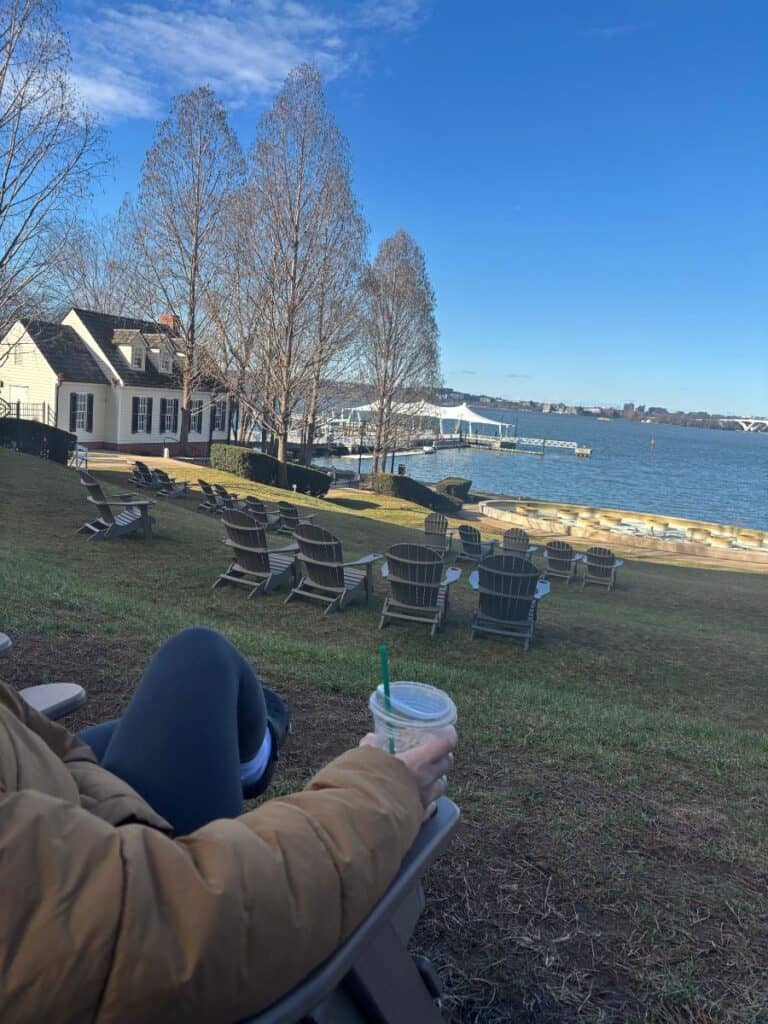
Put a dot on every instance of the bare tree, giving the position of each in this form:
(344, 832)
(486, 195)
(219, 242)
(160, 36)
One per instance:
(399, 355)
(190, 174)
(50, 147)
(91, 264)
(309, 235)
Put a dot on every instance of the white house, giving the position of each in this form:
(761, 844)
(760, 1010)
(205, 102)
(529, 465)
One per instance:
(113, 381)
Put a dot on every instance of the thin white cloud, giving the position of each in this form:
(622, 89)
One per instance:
(129, 58)
(610, 32)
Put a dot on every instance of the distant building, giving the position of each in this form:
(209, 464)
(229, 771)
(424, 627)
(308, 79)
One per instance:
(629, 411)
(112, 381)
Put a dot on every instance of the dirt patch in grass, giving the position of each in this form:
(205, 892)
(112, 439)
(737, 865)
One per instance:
(563, 898)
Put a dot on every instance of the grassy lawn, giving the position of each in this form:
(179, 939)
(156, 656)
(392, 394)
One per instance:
(613, 781)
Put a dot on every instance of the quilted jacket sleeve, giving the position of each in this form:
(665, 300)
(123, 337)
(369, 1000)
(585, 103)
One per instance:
(129, 925)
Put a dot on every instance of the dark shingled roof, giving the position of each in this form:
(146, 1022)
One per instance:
(65, 352)
(103, 327)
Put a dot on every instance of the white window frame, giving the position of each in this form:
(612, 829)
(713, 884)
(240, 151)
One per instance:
(220, 415)
(195, 408)
(166, 427)
(141, 414)
(81, 411)
(166, 361)
(137, 351)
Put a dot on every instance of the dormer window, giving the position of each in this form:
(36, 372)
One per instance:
(137, 357)
(166, 362)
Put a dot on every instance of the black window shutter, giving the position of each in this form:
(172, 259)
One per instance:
(134, 415)
(149, 415)
(163, 409)
(89, 413)
(175, 415)
(73, 412)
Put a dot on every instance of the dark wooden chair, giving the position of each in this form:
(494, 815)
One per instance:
(169, 486)
(211, 501)
(229, 498)
(326, 577)
(418, 586)
(266, 518)
(436, 533)
(509, 588)
(254, 565)
(141, 476)
(119, 514)
(517, 542)
(562, 561)
(291, 519)
(372, 976)
(471, 547)
(600, 568)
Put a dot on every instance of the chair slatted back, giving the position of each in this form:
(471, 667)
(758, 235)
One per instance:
(516, 541)
(470, 541)
(507, 585)
(144, 471)
(560, 556)
(414, 576)
(436, 523)
(97, 495)
(162, 476)
(322, 556)
(206, 488)
(247, 540)
(223, 493)
(600, 562)
(257, 509)
(289, 515)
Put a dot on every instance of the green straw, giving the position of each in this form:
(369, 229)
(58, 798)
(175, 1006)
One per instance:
(384, 658)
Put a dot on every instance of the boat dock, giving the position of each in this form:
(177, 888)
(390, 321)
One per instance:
(526, 445)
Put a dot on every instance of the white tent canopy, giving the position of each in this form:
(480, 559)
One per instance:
(426, 410)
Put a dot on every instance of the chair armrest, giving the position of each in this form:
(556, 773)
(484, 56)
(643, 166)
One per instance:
(430, 843)
(385, 569)
(288, 547)
(618, 562)
(365, 560)
(532, 549)
(578, 557)
(543, 588)
(450, 577)
(137, 502)
(474, 579)
(122, 497)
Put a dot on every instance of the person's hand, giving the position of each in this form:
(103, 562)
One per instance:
(428, 763)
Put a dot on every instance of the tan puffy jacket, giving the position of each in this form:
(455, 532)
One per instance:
(105, 918)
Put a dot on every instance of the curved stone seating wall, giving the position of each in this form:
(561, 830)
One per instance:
(645, 531)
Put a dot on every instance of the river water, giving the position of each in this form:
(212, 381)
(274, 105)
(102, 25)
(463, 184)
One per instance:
(716, 475)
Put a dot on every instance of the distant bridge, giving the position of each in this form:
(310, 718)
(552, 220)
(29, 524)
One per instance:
(751, 424)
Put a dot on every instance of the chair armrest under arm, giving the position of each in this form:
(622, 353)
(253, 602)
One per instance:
(430, 843)
(542, 590)
(365, 560)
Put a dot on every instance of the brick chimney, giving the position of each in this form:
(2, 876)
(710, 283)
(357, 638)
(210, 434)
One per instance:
(169, 320)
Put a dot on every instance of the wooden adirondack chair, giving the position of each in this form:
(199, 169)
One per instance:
(141, 476)
(600, 568)
(471, 547)
(254, 564)
(509, 589)
(372, 976)
(170, 487)
(132, 513)
(266, 518)
(291, 519)
(562, 561)
(326, 577)
(228, 498)
(517, 542)
(211, 501)
(436, 533)
(418, 585)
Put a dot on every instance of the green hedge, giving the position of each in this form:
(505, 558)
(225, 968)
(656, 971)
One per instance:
(411, 490)
(456, 486)
(233, 458)
(35, 438)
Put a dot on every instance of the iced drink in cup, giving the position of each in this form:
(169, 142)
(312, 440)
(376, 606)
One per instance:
(414, 713)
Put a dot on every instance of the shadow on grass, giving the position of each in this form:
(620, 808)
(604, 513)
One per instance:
(352, 503)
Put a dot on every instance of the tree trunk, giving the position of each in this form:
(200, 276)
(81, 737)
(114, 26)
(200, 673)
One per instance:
(186, 400)
(314, 400)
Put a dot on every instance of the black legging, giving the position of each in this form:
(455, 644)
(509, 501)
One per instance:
(197, 713)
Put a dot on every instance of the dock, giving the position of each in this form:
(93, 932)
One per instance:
(525, 445)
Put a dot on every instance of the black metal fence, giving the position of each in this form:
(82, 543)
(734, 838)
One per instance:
(40, 412)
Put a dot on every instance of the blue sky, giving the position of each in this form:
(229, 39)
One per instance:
(587, 179)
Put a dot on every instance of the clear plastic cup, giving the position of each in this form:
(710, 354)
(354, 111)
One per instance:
(416, 712)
